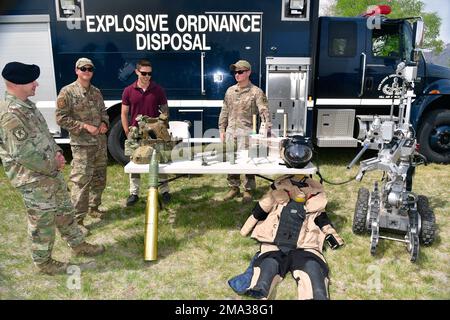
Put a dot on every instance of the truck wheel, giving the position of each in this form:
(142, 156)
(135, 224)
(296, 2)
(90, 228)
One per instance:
(428, 230)
(434, 136)
(116, 141)
(361, 209)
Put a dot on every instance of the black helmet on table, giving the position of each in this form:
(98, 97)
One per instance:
(296, 151)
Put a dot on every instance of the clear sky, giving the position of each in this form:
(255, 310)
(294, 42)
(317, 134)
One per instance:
(441, 7)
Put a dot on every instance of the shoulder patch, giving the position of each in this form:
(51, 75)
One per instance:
(60, 102)
(12, 123)
(20, 133)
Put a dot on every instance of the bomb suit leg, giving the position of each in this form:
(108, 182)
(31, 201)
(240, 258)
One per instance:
(311, 277)
(266, 276)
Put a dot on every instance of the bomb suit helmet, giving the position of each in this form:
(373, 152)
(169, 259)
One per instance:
(296, 151)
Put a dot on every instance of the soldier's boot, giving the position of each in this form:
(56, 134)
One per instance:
(52, 267)
(87, 249)
(96, 213)
(234, 192)
(247, 196)
(132, 200)
(83, 228)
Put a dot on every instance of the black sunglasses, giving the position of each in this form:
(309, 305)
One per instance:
(145, 73)
(88, 69)
(239, 71)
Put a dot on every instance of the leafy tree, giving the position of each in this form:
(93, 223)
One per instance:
(400, 9)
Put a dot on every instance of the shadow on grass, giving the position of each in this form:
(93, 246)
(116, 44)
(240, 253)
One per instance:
(202, 207)
(338, 221)
(119, 213)
(196, 207)
(128, 253)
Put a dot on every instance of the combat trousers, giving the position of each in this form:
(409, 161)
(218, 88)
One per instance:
(241, 138)
(88, 176)
(135, 182)
(48, 205)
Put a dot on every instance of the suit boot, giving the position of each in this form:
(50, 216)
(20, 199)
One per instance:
(234, 192)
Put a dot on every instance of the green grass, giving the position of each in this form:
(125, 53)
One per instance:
(200, 248)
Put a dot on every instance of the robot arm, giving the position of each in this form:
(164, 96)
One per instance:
(367, 165)
(365, 147)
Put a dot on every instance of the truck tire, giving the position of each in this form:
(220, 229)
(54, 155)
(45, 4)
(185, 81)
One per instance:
(361, 209)
(434, 136)
(428, 230)
(116, 141)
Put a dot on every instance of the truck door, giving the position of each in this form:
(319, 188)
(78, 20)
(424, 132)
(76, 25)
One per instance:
(339, 76)
(341, 57)
(384, 52)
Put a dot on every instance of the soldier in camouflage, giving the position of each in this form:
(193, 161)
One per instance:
(33, 163)
(81, 111)
(241, 102)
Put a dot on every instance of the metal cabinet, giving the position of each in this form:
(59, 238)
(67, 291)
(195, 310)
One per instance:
(287, 91)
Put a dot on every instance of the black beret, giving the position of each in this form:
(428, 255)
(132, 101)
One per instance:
(20, 73)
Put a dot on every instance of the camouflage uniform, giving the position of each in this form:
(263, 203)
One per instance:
(75, 106)
(236, 116)
(28, 151)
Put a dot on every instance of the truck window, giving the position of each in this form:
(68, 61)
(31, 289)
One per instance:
(386, 42)
(342, 39)
(407, 43)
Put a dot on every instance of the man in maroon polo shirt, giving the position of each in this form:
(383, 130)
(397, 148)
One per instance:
(145, 97)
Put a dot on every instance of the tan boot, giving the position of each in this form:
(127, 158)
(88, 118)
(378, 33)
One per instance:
(96, 213)
(247, 197)
(87, 249)
(52, 267)
(234, 192)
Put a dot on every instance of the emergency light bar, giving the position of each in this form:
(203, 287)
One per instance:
(381, 9)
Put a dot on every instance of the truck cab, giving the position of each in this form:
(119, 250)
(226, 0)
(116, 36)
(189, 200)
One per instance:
(356, 62)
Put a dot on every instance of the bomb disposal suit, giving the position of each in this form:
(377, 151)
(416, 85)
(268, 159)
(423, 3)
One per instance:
(291, 224)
